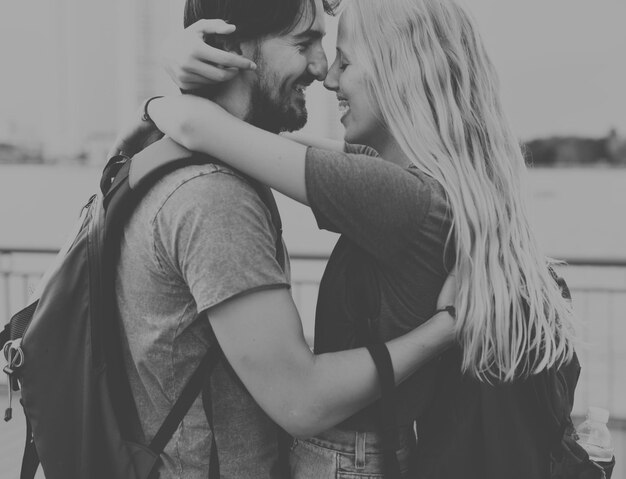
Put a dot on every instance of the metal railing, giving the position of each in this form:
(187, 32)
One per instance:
(598, 289)
(20, 269)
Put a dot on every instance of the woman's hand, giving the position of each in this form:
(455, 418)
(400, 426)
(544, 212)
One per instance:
(447, 295)
(193, 64)
(137, 134)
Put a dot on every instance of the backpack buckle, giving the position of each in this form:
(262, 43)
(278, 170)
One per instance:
(14, 356)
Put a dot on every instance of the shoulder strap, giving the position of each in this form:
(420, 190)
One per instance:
(124, 183)
(18, 324)
(185, 400)
(146, 167)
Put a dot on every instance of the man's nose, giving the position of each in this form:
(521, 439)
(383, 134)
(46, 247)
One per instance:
(318, 64)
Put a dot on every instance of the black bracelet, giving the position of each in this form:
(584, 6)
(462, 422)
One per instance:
(146, 116)
(451, 310)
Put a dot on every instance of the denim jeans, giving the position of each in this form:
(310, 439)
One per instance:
(339, 454)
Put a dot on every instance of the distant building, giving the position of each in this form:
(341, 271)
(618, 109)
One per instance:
(15, 154)
(98, 73)
(101, 61)
(577, 151)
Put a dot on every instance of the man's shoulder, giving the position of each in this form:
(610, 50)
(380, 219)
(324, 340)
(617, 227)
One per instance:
(209, 177)
(209, 185)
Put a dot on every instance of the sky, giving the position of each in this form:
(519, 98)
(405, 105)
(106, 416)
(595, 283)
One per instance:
(562, 63)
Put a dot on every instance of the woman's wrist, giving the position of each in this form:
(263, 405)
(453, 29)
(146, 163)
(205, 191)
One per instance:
(146, 104)
(451, 310)
(445, 318)
(146, 108)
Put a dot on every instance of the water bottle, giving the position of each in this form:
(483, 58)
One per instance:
(595, 438)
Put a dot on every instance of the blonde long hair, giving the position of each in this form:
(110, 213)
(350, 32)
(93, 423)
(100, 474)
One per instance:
(438, 92)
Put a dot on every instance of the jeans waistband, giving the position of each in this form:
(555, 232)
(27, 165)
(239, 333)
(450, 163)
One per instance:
(346, 441)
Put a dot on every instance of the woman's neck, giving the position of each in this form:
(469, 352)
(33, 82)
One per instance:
(390, 151)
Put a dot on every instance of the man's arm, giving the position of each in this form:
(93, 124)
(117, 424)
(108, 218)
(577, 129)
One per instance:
(261, 336)
(215, 232)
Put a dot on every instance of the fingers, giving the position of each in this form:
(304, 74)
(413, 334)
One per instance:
(225, 59)
(192, 81)
(211, 72)
(212, 26)
(186, 57)
(215, 55)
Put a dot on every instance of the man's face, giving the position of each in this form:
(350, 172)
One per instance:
(287, 64)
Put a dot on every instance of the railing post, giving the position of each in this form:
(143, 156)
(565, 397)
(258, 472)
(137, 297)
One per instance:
(5, 273)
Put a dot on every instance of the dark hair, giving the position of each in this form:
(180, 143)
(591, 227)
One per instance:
(253, 18)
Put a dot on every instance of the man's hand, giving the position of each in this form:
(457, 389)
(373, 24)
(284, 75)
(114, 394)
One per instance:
(135, 136)
(193, 64)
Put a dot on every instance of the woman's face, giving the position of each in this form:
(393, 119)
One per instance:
(347, 78)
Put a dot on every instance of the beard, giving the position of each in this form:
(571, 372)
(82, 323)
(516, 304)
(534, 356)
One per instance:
(272, 107)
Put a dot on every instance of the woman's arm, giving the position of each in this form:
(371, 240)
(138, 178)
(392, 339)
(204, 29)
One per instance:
(315, 141)
(201, 125)
(261, 337)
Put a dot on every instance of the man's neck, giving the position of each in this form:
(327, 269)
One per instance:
(234, 97)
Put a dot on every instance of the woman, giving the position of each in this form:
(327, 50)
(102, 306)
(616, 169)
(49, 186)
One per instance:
(447, 190)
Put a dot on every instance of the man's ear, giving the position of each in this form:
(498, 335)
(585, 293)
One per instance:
(233, 44)
(230, 44)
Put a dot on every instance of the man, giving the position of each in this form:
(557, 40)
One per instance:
(204, 241)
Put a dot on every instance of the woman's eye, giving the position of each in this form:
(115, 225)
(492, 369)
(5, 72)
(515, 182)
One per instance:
(343, 66)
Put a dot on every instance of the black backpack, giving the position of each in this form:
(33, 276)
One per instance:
(65, 351)
(552, 391)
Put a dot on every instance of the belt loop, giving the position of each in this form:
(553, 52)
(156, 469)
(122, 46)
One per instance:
(359, 450)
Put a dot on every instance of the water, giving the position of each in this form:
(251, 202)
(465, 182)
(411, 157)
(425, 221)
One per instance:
(577, 212)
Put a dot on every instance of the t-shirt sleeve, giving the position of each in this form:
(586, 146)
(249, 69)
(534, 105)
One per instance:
(359, 149)
(215, 232)
(375, 203)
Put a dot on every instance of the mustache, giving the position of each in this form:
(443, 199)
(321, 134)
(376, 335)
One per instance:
(306, 80)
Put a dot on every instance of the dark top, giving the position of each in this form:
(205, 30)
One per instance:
(393, 223)
(474, 430)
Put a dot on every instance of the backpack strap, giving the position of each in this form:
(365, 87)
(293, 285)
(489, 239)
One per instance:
(15, 329)
(30, 459)
(185, 400)
(18, 324)
(207, 404)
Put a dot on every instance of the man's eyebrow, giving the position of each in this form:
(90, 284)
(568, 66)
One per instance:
(310, 34)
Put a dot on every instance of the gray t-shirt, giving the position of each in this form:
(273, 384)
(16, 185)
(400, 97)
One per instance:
(394, 223)
(200, 236)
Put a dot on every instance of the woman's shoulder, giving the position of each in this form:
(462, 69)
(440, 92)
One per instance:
(437, 195)
(428, 180)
